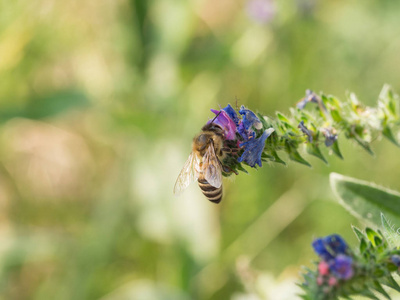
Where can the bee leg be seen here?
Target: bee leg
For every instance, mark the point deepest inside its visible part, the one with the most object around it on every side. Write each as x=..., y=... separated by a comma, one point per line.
x=228, y=170
x=230, y=150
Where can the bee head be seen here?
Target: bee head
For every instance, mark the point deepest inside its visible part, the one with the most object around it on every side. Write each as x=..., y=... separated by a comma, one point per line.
x=202, y=141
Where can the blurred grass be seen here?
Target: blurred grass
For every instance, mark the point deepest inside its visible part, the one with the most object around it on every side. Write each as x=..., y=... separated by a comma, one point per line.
x=98, y=106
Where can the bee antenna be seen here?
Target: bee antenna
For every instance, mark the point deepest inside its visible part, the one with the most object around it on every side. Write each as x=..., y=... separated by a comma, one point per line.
x=236, y=102
x=216, y=116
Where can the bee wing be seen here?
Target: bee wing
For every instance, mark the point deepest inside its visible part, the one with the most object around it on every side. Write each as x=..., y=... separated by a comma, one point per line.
x=189, y=173
x=212, y=167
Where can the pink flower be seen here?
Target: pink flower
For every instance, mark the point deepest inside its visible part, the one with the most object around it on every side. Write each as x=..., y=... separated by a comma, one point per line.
x=332, y=281
x=323, y=268
x=226, y=123
x=262, y=11
x=320, y=280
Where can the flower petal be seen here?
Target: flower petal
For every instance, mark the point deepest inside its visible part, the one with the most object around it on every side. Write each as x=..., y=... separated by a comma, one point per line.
x=396, y=260
x=245, y=134
x=226, y=123
x=310, y=97
x=232, y=114
x=250, y=119
x=323, y=268
x=320, y=248
x=262, y=11
x=306, y=131
x=336, y=243
x=342, y=267
x=253, y=149
x=330, y=136
x=329, y=247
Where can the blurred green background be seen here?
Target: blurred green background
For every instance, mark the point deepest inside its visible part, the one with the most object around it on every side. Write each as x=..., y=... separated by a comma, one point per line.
x=99, y=101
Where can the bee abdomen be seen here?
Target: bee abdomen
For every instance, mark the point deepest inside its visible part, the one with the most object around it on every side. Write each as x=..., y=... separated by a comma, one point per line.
x=212, y=193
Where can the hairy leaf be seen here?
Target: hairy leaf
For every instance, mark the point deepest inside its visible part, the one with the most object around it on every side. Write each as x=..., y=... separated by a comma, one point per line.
x=366, y=200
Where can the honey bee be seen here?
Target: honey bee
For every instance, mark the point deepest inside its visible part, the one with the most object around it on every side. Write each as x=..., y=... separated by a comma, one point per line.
x=204, y=163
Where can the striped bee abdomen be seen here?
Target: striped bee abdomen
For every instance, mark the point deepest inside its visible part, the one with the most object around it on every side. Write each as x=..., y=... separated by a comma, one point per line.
x=211, y=192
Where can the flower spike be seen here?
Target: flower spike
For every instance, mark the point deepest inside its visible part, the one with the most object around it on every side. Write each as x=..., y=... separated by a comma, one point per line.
x=342, y=273
x=246, y=138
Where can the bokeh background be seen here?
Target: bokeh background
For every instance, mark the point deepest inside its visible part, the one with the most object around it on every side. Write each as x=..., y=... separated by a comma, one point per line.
x=99, y=101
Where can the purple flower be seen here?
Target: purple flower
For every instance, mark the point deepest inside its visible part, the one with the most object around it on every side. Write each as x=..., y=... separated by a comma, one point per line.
x=261, y=11
x=253, y=149
x=342, y=267
x=310, y=97
x=396, y=260
x=306, y=131
x=232, y=114
x=226, y=123
x=329, y=247
x=245, y=134
x=249, y=119
x=330, y=136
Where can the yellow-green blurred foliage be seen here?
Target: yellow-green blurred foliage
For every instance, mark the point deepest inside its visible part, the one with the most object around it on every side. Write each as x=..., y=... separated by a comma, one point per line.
x=99, y=101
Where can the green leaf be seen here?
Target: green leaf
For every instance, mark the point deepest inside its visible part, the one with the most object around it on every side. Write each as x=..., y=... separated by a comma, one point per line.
x=379, y=244
x=54, y=104
x=371, y=235
x=315, y=151
x=264, y=122
x=240, y=168
x=366, y=200
x=391, y=235
x=387, y=133
x=363, y=144
x=267, y=156
x=358, y=232
x=295, y=156
x=367, y=293
x=282, y=117
x=379, y=288
x=277, y=159
x=285, y=121
x=390, y=282
x=363, y=246
x=389, y=100
x=336, y=116
x=336, y=150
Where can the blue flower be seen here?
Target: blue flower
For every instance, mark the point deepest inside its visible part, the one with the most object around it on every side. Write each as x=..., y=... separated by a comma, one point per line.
x=336, y=243
x=320, y=248
x=329, y=247
x=249, y=119
x=306, y=131
x=232, y=114
x=245, y=134
x=310, y=97
x=330, y=136
x=253, y=149
x=396, y=260
x=342, y=267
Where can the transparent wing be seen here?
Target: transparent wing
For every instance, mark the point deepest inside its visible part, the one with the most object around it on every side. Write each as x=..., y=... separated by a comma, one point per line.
x=212, y=167
x=189, y=173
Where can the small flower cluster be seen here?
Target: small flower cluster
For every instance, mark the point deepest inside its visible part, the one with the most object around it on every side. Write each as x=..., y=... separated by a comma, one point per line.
x=343, y=273
x=246, y=133
x=253, y=138
x=336, y=262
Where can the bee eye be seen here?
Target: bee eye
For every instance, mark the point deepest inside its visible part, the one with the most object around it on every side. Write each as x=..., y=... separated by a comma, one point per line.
x=202, y=139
